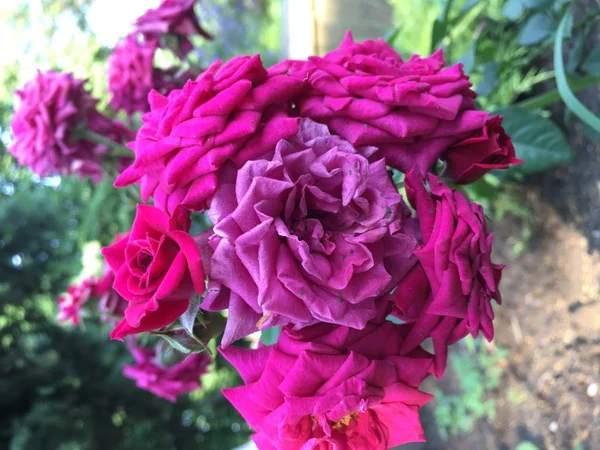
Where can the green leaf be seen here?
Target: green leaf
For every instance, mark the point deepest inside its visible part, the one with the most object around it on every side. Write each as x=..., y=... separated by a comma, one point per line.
x=181, y=341
x=513, y=9
x=490, y=78
x=468, y=59
x=591, y=65
x=188, y=318
x=562, y=84
x=536, y=29
x=391, y=36
x=538, y=141
x=534, y=3
x=468, y=5
x=437, y=33
x=269, y=336
x=526, y=445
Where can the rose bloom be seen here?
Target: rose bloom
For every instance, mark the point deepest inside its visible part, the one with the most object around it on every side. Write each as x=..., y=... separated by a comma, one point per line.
x=448, y=293
x=157, y=268
x=411, y=110
x=53, y=109
x=236, y=110
x=174, y=17
x=131, y=74
x=70, y=304
x=313, y=235
x=332, y=387
x=166, y=381
x=486, y=149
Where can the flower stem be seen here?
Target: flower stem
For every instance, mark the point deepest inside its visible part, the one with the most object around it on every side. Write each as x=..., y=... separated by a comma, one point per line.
x=117, y=149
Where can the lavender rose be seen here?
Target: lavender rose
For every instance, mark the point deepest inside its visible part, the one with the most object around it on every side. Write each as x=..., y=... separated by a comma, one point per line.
x=313, y=235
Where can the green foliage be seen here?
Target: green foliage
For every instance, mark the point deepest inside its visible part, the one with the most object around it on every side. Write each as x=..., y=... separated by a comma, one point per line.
x=269, y=336
x=538, y=141
x=478, y=371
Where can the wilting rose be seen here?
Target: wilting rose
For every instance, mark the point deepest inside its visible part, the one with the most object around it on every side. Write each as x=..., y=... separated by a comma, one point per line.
x=486, y=149
x=411, y=110
x=313, y=235
x=448, y=293
x=234, y=111
x=166, y=381
x=172, y=17
x=53, y=112
x=131, y=74
x=157, y=268
x=70, y=304
x=332, y=387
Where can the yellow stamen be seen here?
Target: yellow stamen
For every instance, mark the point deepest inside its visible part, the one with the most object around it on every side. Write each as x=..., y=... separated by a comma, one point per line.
x=262, y=320
x=344, y=421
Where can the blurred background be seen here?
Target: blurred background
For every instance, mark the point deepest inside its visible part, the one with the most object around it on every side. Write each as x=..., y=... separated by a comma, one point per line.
x=535, y=387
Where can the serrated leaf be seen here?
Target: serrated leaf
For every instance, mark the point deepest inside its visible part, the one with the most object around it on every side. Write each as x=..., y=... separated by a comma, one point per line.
x=188, y=318
x=538, y=141
x=513, y=9
x=537, y=28
x=591, y=65
x=269, y=336
x=181, y=341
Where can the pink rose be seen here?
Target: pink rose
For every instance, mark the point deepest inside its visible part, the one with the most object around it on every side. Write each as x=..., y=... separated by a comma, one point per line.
x=131, y=74
x=70, y=304
x=448, y=293
x=236, y=111
x=313, y=235
x=486, y=149
x=332, y=387
x=52, y=112
x=157, y=268
x=166, y=381
x=173, y=17
x=412, y=110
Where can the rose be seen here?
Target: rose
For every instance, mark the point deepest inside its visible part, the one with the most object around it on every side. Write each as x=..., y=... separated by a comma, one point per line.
x=166, y=380
x=448, y=293
x=157, y=268
x=49, y=125
x=174, y=17
x=70, y=304
x=236, y=111
x=131, y=74
x=411, y=110
x=111, y=305
x=332, y=387
x=315, y=234
x=486, y=149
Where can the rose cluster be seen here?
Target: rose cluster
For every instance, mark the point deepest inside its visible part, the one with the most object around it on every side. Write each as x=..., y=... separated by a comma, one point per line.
x=310, y=235
x=299, y=169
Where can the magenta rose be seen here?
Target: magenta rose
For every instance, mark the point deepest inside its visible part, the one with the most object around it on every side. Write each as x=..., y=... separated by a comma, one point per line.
x=236, y=111
x=166, y=380
x=172, y=17
x=332, y=387
x=70, y=304
x=157, y=268
x=486, y=149
x=313, y=235
x=131, y=74
x=53, y=112
x=448, y=293
x=412, y=110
